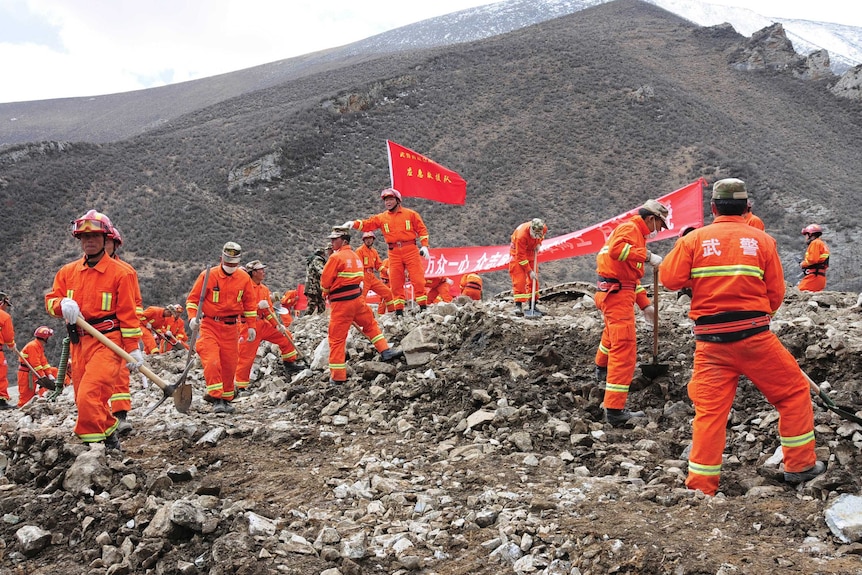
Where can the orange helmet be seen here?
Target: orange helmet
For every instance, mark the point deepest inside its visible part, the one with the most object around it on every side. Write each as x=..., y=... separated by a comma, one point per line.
x=390, y=192
x=114, y=234
x=43, y=332
x=812, y=229
x=92, y=222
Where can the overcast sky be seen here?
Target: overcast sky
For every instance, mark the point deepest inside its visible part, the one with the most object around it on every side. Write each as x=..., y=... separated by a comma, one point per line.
x=66, y=48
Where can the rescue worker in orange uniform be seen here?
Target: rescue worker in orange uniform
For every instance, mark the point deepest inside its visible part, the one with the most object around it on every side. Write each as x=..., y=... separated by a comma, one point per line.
x=620, y=266
x=288, y=304
x=102, y=291
x=751, y=219
x=341, y=282
x=737, y=285
x=401, y=229
x=121, y=399
x=384, y=277
x=267, y=328
x=371, y=261
x=7, y=338
x=437, y=289
x=816, y=260
x=174, y=336
x=471, y=286
x=524, y=245
x=34, y=353
x=228, y=302
x=157, y=321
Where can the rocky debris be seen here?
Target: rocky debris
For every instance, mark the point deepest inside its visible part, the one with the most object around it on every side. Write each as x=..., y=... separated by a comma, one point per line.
x=849, y=85
x=770, y=49
x=490, y=455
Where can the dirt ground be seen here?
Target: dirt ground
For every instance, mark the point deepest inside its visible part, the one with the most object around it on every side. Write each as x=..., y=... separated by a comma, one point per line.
x=584, y=498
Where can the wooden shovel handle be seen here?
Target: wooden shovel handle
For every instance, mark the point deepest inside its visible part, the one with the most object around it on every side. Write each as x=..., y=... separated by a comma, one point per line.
x=119, y=351
x=655, y=290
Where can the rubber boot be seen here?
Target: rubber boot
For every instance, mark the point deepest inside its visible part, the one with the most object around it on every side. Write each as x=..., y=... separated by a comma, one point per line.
x=124, y=427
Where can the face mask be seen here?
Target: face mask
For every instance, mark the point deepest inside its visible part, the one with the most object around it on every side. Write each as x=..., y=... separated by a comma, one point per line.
x=652, y=234
x=229, y=268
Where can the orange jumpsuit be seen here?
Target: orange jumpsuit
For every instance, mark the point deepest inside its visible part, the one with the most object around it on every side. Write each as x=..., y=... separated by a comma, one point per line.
x=621, y=260
x=735, y=272
x=154, y=320
x=340, y=283
x=522, y=255
x=106, y=294
x=438, y=288
x=121, y=398
x=401, y=228
x=266, y=328
x=289, y=301
x=754, y=221
x=471, y=286
x=229, y=300
x=384, y=277
x=814, y=266
x=371, y=261
x=7, y=338
x=34, y=353
x=642, y=301
x=177, y=328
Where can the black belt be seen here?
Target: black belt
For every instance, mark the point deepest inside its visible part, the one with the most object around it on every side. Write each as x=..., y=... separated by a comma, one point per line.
x=730, y=326
x=105, y=324
x=225, y=319
x=611, y=285
x=813, y=272
x=345, y=293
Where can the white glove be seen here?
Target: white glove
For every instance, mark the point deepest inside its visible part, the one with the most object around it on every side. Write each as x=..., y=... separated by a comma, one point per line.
x=423, y=251
x=347, y=224
x=282, y=330
x=194, y=323
x=533, y=275
x=251, y=334
x=449, y=281
x=654, y=259
x=262, y=304
x=168, y=334
x=70, y=310
x=649, y=314
x=138, y=357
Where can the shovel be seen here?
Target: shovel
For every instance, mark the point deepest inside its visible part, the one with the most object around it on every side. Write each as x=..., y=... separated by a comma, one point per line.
x=842, y=411
x=531, y=311
x=41, y=380
x=655, y=369
x=168, y=390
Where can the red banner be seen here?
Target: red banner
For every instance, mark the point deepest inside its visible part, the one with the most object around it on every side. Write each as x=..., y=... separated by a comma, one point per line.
x=685, y=208
x=416, y=176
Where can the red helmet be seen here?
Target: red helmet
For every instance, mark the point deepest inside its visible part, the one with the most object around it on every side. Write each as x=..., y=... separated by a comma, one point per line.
x=43, y=332
x=812, y=229
x=114, y=234
x=368, y=235
x=391, y=192
x=92, y=222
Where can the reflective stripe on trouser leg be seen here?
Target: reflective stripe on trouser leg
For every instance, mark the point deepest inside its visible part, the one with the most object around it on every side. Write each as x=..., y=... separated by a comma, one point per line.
x=618, y=311
x=95, y=368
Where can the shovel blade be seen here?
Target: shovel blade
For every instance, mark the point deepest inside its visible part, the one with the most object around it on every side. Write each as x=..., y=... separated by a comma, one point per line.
x=654, y=370
x=183, y=398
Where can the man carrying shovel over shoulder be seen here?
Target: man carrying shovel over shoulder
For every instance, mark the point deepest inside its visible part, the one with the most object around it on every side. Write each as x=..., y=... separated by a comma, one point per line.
x=220, y=308
x=737, y=284
x=620, y=266
x=102, y=291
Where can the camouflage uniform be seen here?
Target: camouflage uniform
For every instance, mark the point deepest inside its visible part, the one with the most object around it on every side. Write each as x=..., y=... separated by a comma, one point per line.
x=313, y=269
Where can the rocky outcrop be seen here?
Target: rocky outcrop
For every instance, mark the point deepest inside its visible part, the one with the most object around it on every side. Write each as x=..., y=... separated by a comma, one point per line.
x=264, y=169
x=767, y=49
x=849, y=85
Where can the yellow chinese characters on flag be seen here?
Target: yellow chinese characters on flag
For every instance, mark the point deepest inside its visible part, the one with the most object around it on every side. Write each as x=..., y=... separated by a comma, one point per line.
x=416, y=176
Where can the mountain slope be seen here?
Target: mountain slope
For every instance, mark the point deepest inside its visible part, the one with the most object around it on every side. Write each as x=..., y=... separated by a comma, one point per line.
x=542, y=122
x=115, y=117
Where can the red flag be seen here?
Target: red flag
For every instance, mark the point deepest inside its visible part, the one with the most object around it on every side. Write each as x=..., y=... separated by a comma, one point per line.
x=416, y=176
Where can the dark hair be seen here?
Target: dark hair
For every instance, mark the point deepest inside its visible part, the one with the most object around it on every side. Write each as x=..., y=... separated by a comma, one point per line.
x=730, y=207
x=644, y=213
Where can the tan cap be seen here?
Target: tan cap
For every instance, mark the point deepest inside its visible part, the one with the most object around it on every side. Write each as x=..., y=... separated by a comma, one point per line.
x=729, y=189
x=657, y=209
x=339, y=232
x=254, y=265
x=231, y=253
